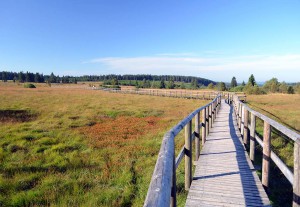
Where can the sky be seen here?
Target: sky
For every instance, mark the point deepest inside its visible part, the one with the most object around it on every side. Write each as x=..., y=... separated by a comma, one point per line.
x=211, y=39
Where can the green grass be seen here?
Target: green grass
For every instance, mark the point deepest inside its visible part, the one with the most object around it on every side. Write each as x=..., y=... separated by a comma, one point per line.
x=55, y=155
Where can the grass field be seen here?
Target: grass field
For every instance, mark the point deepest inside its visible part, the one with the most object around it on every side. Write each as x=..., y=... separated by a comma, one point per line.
x=75, y=147
x=285, y=109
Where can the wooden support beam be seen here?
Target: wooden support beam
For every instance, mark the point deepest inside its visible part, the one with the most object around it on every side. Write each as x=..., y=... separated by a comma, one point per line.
x=210, y=116
x=296, y=182
x=252, y=137
x=204, y=127
x=207, y=120
x=188, y=155
x=266, y=154
x=246, y=129
x=242, y=120
x=197, y=136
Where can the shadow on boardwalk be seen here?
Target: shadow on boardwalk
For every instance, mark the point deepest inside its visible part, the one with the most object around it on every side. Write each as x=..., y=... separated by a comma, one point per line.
x=224, y=174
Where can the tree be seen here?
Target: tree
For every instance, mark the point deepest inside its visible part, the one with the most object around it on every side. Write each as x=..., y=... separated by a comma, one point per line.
x=194, y=84
x=182, y=85
x=4, y=76
x=21, y=77
x=233, y=82
x=162, y=84
x=171, y=84
x=27, y=77
x=114, y=82
x=291, y=90
x=52, y=78
x=153, y=85
x=37, y=78
x=271, y=85
x=251, y=80
x=221, y=86
x=283, y=87
x=243, y=83
x=210, y=86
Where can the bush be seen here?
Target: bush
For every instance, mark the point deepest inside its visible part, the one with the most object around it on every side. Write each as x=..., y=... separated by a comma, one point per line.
x=29, y=85
x=256, y=90
x=290, y=90
x=237, y=89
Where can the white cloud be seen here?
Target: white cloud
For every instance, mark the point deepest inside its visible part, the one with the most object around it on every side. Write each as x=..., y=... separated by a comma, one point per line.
x=214, y=68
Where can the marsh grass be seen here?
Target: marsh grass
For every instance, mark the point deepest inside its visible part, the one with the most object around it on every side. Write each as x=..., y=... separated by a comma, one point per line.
x=82, y=148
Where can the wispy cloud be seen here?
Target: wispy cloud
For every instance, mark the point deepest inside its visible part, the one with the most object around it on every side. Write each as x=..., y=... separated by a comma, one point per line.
x=185, y=64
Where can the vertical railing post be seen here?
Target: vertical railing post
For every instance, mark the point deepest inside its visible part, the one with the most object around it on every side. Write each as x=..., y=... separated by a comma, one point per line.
x=197, y=136
x=173, y=202
x=215, y=109
x=252, y=137
x=296, y=183
x=242, y=120
x=266, y=154
x=210, y=116
x=212, y=112
x=188, y=155
x=239, y=115
x=246, y=129
x=204, y=126
x=207, y=120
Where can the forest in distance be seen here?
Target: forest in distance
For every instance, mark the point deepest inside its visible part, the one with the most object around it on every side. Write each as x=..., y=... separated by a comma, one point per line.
x=156, y=81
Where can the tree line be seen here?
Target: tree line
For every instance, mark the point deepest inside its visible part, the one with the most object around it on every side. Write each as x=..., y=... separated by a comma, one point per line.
x=40, y=78
x=270, y=86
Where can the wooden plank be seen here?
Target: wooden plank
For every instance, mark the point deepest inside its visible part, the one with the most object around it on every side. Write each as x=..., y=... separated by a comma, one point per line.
x=224, y=174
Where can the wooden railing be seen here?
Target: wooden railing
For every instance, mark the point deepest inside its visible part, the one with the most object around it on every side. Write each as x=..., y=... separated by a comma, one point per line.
x=246, y=118
x=162, y=189
x=193, y=94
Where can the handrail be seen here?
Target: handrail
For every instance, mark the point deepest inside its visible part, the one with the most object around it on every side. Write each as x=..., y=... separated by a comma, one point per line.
x=162, y=189
x=242, y=113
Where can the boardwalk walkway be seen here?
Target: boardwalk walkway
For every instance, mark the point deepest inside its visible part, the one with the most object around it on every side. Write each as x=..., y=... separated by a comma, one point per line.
x=224, y=174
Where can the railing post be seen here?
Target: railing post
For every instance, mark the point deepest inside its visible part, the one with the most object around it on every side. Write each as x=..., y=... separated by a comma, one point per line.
x=215, y=109
x=246, y=129
x=266, y=154
x=242, y=120
x=296, y=183
x=210, y=116
x=197, y=136
x=188, y=155
x=207, y=120
x=204, y=126
x=252, y=137
x=239, y=115
x=173, y=202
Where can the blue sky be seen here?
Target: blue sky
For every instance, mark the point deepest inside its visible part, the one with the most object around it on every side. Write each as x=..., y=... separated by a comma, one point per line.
x=211, y=39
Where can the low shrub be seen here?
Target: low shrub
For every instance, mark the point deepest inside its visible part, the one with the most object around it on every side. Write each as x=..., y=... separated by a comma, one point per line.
x=29, y=85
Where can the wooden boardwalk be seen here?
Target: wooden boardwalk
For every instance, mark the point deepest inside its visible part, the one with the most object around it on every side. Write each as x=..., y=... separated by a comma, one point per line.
x=224, y=174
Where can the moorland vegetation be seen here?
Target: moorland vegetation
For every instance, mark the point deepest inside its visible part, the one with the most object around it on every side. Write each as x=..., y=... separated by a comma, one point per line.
x=76, y=147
